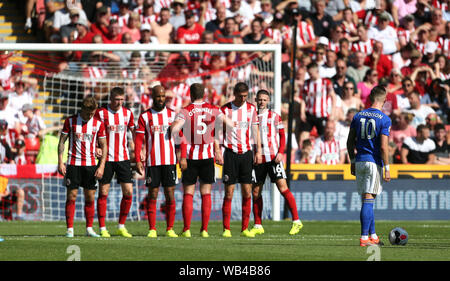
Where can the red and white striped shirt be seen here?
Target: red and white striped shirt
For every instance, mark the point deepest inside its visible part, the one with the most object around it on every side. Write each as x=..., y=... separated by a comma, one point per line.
x=149, y=19
x=317, y=97
x=328, y=151
x=269, y=125
x=444, y=45
x=198, y=129
x=159, y=144
x=365, y=47
x=116, y=124
x=305, y=33
x=82, y=139
x=401, y=32
x=238, y=139
x=278, y=35
x=95, y=72
x=121, y=19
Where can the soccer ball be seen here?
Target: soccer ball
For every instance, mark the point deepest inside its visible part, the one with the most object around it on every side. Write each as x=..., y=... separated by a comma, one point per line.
x=398, y=236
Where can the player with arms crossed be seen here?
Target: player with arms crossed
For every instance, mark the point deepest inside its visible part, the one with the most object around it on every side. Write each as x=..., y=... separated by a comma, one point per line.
x=154, y=129
x=369, y=134
x=117, y=120
x=83, y=131
x=238, y=156
x=198, y=121
x=273, y=141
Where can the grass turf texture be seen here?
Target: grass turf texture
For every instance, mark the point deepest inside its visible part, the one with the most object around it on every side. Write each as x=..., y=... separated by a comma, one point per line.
x=317, y=241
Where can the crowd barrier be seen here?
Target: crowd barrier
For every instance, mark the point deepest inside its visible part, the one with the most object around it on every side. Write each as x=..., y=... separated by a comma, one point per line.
x=416, y=192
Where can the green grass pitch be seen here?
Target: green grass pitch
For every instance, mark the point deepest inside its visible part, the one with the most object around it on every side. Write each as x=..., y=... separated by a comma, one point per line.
x=317, y=241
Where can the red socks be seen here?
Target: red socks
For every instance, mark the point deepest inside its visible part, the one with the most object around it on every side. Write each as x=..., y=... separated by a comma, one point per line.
x=187, y=210
x=246, y=210
x=257, y=209
x=287, y=194
x=70, y=213
x=151, y=213
x=226, y=212
x=125, y=205
x=206, y=211
x=89, y=212
x=171, y=209
x=101, y=209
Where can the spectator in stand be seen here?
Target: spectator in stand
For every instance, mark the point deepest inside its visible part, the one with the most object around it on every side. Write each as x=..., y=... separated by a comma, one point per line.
x=419, y=110
x=405, y=30
x=370, y=80
x=266, y=13
x=229, y=34
x=115, y=33
x=219, y=21
x=437, y=21
x=420, y=37
x=418, y=149
x=379, y=61
x=349, y=24
x=344, y=48
x=67, y=29
x=442, y=142
x=342, y=130
x=390, y=106
x=402, y=58
x=372, y=16
x=407, y=89
x=133, y=27
x=19, y=98
x=422, y=14
x=100, y=26
x=191, y=32
x=328, y=69
x=19, y=156
x=124, y=13
x=177, y=17
x=321, y=21
x=327, y=148
x=395, y=82
x=401, y=129
x=442, y=67
x=429, y=57
x=256, y=36
x=348, y=99
x=7, y=113
x=431, y=121
x=363, y=43
x=336, y=34
x=133, y=69
x=6, y=154
x=31, y=83
x=147, y=38
x=320, y=55
x=306, y=153
x=61, y=18
x=148, y=14
x=5, y=70
x=357, y=70
x=219, y=78
x=436, y=97
x=306, y=39
x=242, y=12
x=402, y=8
x=163, y=29
x=84, y=37
x=195, y=70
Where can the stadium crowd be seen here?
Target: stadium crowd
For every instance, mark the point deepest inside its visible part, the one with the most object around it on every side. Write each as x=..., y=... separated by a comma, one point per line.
x=344, y=49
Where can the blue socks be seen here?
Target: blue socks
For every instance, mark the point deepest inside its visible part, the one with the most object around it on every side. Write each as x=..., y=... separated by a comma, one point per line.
x=367, y=218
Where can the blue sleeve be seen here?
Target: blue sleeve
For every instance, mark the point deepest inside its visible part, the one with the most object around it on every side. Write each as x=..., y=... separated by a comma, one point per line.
x=386, y=128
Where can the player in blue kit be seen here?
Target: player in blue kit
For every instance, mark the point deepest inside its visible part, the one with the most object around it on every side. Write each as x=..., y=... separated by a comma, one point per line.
x=369, y=135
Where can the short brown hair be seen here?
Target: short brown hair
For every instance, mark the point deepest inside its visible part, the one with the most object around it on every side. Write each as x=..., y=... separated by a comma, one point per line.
x=197, y=91
x=117, y=91
x=378, y=93
x=89, y=103
x=240, y=87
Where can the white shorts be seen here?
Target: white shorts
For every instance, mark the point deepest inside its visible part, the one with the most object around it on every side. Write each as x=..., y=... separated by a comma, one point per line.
x=368, y=177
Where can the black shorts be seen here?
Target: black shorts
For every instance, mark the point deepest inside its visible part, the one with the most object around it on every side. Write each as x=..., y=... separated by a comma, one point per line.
x=165, y=175
x=274, y=170
x=204, y=170
x=80, y=176
x=311, y=121
x=237, y=168
x=122, y=169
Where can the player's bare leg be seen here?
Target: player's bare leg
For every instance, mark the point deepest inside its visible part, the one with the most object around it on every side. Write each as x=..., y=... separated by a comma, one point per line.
x=287, y=194
x=20, y=199
x=71, y=197
x=226, y=209
x=169, y=193
x=101, y=208
x=246, y=190
x=89, y=211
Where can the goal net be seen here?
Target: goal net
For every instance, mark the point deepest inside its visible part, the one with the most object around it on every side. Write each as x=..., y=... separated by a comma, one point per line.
x=61, y=75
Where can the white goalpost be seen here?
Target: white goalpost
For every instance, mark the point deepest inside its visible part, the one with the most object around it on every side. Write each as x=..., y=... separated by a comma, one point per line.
x=104, y=66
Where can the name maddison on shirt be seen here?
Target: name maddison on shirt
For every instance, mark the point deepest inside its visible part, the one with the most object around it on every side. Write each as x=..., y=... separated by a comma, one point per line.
x=371, y=114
